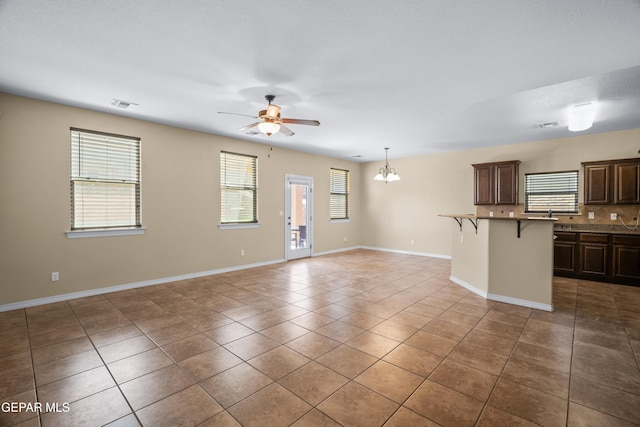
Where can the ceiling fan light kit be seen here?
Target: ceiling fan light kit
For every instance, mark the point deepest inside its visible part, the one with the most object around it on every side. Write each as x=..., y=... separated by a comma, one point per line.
x=268, y=128
x=386, y=173
x=271, y=122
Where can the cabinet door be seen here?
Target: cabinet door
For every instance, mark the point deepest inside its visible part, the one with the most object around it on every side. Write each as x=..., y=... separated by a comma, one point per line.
x=484, y=184
x=507, y=184
x=593, y=259
x=597, y=184
x=626, y=180
x=626, y=262
x=564, y=257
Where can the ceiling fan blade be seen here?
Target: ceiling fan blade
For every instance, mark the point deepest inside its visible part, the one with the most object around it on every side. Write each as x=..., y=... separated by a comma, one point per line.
x=237, y=114
x=286, y=131
x=301, y=122
x=247, y=127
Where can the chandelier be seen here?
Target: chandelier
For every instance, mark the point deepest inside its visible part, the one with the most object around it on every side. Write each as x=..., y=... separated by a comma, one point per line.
x=386, y=173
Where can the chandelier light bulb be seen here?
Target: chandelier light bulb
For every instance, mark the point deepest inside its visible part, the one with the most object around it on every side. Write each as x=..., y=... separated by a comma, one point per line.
x=387, y=173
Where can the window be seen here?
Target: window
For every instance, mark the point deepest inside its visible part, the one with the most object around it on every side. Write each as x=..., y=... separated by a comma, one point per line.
x=339, y=199
x=238, y=188
x=552, y=191
x=105, y=180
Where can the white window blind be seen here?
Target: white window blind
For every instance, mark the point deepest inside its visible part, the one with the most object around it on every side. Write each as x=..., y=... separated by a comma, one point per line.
x=239, y=188
x=339, y=198
x=105, y=180
x=553, y=191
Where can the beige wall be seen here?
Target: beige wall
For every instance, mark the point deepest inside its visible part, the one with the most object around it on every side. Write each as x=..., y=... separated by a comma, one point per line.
x=470, y=254
x=180, y=200
x=406, y=210
x=180, y=204
x=521, y=268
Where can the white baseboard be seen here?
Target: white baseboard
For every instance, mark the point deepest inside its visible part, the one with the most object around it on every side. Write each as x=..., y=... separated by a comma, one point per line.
x=124, y=287
x=335, y=251
x=397, y=251
x=469, y=286
x=522, y=302
x=502, y=298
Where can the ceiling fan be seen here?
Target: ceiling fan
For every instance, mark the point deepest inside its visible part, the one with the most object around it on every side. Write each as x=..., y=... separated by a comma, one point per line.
x=271, y=122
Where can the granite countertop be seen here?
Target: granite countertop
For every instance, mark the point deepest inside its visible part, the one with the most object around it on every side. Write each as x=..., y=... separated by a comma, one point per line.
x=502, y=218
x=596, y=228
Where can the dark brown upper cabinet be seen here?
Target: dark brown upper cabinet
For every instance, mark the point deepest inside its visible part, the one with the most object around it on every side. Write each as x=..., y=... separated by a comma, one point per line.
x=496, y=183
x=626, y=182
x=612, y=182
x=597, y=184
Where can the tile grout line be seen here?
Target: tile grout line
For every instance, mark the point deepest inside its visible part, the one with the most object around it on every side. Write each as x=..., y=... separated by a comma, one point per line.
x=573, y=336
x=33, y=364
x=106, y=365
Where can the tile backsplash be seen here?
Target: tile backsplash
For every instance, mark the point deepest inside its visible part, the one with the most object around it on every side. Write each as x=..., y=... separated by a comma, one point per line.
x=602, y=213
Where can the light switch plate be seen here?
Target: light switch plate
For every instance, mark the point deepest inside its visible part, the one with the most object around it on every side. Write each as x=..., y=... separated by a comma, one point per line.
x=614, y=216
x=592, y=215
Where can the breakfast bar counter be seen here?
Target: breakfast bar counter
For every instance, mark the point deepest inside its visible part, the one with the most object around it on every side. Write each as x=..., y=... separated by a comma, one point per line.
x=504, y=259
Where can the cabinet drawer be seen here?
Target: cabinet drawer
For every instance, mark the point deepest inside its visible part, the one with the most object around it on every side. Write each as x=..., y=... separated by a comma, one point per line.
x=625, y=239
x=563, y=236
x=594, y=238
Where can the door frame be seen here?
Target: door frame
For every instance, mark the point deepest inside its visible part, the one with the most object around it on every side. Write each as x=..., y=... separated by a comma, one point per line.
x=288, y=180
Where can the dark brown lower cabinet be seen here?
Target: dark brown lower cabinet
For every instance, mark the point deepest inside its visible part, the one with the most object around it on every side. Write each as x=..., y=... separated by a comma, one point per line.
x=564, y=252
x=626, y=257
x=611, y=258
x=594, y=251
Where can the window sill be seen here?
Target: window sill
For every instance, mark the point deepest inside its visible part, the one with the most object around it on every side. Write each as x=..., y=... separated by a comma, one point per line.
x=332, y=221
x=82, y=234
x=238, y=226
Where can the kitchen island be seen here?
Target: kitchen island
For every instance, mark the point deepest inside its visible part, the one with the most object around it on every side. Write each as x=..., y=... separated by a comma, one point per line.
x=504, y=259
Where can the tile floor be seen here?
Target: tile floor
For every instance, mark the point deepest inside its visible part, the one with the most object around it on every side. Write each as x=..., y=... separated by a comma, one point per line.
x=360, y=338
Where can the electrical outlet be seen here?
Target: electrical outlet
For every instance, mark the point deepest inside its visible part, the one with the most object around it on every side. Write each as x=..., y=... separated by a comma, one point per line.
x=55, y=276
x=510, y=214
x=614, y=216
x=412, y=242
x=241, y=252
x=491, y=213
x=345, y=240
x=592, y=215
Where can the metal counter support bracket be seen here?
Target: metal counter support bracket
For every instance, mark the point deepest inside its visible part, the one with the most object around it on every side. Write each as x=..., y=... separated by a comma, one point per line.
x=519, y=228
x=460, y=220
x=475, y=224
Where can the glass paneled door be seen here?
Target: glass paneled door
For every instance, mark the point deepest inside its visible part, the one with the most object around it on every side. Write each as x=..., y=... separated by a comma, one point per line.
x=298, y=216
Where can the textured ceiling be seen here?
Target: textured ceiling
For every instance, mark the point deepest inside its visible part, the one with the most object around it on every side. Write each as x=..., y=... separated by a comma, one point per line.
x=418, y=76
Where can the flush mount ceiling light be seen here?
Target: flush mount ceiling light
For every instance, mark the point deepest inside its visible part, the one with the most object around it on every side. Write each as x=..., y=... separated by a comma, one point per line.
x=386, y=173
x=581, y=116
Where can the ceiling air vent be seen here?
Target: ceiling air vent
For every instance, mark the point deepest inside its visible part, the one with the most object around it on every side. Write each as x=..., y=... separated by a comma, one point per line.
x=124, y=105
x=547, y=125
